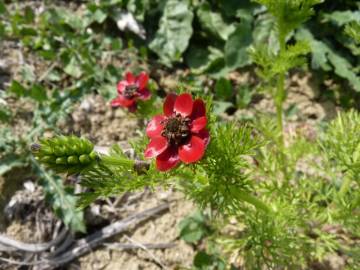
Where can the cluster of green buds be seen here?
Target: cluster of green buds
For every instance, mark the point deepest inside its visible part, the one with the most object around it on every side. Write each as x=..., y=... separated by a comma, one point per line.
x=65, y=153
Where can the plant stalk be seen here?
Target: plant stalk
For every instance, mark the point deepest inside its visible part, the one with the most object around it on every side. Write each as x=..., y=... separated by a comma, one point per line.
x=280, y=91
x=244, y=196
x=345, y=186
x=279, y=101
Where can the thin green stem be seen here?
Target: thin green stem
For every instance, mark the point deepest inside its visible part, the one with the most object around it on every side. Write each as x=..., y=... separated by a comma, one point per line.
x=117, y=161
x=244, y=196
x=280, y=91
x=345, y=186
x=279, y=101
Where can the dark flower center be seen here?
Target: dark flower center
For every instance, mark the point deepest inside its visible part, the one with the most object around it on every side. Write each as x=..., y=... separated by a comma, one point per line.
x=130, y=91
x=176, y=129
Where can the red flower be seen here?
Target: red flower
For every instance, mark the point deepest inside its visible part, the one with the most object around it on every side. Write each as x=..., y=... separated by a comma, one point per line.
x=179, y=134
x=130, y=90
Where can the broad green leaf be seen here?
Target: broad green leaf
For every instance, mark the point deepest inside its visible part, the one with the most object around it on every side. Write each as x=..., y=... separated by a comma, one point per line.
x=173, y=36
x=138, y=8
x=108, y=91
x=5, y=114
x=63, y=201
x=200, y=59
x=327, y=58
x=2, y=7
x=236, y=47
x=218, y=68
x=342, y=17
x=221, y=106
x=38, y=93
x=223, y=89
x=116, y=44
x=213, y=22
x=10, y=162
x=2, y=29
x=193, y=228
x=99, y=16
x=29, y=15
x=241, y=9
x=343, y=68
x=17, y=89
x=265, y=32
x=204, y=261
x=73, y=68
x=27, y=73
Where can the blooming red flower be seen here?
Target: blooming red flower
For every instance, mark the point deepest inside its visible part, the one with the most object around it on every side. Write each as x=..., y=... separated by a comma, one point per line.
x=130, y=90
x=179, y=134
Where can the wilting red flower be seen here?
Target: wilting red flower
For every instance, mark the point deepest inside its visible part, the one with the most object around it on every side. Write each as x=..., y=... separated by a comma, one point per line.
x=180, y=134
x=130, y=90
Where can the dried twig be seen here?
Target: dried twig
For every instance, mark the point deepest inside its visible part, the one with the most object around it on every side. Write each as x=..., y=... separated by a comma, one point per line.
x=35, y=248
x=87, y=244
x=157, y=260
x=126, y=246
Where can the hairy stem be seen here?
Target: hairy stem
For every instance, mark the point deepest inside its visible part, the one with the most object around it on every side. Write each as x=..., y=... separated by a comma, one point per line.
x=279, y=101
x=280, y=91
x=247, y=197
x=345, y=186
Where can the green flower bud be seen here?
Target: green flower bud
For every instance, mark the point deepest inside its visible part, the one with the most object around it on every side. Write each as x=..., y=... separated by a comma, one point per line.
x=48, y=159
x=46, y=150
x=84, y=159
x=59, y=151
x=71, y=152
x=76, y=149
x=89, y=146
x=64, y=140
x=93, y=155
x=61, y=161
x=73, y=160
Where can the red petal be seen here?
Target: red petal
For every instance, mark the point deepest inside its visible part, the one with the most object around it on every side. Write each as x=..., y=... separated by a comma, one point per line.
x=169, y=104
x=144, y=93
x=193, y=151
x=154, y=128
x=156, y=146
x=130, y=77
x=167, y=160
x=183, y=104
x=142, y=80
x=204, y=135
x=121, y=86
x=198, y=124
x=122, y=101
x=198, y=109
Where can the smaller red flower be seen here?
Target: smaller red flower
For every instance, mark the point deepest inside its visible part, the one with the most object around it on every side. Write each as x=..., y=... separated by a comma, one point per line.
x=130, y=90
x=179, y=134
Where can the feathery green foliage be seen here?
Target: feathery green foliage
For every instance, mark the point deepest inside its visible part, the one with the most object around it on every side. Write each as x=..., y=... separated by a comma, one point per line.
x=289, y=14
x=221, y=181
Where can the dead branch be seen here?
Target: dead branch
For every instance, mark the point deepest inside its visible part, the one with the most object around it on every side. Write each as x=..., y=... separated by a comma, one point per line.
x=126, y=246
x=85, y=245
x=34, y=248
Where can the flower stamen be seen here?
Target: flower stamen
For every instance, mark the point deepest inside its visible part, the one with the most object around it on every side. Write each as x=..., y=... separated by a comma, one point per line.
x=176, y=129
x=130, y=91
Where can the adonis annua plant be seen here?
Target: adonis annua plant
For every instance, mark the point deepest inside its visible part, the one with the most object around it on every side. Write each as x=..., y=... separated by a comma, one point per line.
x=274, y=203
